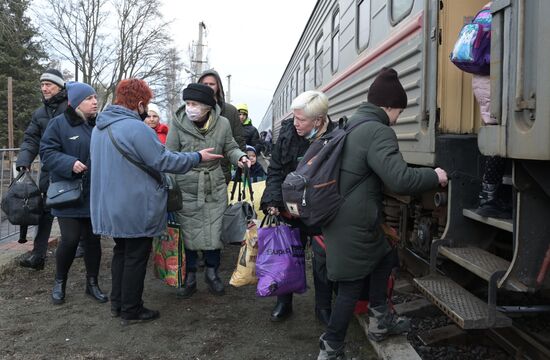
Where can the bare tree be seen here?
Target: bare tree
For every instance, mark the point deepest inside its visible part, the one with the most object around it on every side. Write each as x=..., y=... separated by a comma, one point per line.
x=137, y=44
x=75, y=27
x=169, y=93
x=141, y=45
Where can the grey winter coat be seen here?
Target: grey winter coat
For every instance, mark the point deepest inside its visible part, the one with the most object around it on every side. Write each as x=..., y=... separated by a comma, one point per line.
x=126, y=202
x=203, y=188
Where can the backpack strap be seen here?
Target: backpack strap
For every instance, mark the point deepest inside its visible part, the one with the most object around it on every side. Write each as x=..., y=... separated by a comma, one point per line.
x=348, y=130
x=154, y=174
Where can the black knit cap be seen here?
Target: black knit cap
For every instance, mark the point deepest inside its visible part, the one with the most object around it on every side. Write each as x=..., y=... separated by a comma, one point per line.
x=387, y=91
x=199, y=92
x=54, y=76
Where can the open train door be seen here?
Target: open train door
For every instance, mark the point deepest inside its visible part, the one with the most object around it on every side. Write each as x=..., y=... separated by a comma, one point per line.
x=520, y=89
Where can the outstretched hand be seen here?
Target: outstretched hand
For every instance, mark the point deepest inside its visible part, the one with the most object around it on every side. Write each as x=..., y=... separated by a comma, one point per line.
x=442, y=177
x=208, y=155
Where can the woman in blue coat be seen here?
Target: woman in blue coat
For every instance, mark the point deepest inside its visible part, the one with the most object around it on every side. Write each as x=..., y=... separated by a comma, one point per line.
x=65, y=152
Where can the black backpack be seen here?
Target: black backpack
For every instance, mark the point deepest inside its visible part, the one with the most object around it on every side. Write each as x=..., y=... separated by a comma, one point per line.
x=311, y=192
x=22, y=202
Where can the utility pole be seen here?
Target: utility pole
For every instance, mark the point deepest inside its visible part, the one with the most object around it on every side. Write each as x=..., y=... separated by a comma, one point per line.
x=10, y=116
x=197, y=62
x=228, y=99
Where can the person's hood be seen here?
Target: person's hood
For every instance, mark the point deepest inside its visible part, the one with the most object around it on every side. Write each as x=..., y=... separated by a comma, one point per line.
x=220, y=96
x=113, y=113
x=371, y=111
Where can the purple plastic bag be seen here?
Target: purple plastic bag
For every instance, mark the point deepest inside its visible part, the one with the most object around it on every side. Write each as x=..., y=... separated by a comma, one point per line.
x=280, y=265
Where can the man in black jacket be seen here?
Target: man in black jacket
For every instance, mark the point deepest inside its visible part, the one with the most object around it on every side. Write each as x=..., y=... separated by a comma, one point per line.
x=212, y=79
x=54, y=97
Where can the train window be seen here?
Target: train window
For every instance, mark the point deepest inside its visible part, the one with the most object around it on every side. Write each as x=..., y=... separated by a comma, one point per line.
x=297, y=81
x=399, y=9
x=362, y=24
x=319, y=60
x=292, y=91
x=335, y=41
x=306, y=69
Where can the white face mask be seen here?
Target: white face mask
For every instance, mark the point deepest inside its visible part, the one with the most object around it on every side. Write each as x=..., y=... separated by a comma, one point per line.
x=194, y=113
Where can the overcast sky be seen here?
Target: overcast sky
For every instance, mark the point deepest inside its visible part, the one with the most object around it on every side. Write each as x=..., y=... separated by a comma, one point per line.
x=250, y=39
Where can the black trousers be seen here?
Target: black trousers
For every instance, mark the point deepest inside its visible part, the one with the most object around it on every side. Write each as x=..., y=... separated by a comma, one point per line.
x=349, y=292
x=128, y=268
x=323, y=286
x=43, y=230
x=72, y=231
x=211, y=259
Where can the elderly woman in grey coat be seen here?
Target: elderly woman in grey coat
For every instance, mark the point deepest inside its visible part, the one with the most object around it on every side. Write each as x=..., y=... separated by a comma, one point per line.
x=198, y=125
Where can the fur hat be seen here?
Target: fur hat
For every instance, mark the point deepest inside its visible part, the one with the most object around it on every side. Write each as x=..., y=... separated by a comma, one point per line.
x=54, y=76
x=387, y=91
x=77, y=92
x=200, y=93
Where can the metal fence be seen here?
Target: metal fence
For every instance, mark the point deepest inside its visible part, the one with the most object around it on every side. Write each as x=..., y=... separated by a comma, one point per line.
x=7, y=174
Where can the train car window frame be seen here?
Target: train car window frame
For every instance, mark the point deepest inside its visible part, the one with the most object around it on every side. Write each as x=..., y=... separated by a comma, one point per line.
x=396, y=20
x=297, y=81
x=335, y=40
x=358, y=40
x=318, y=63
x=306, y=70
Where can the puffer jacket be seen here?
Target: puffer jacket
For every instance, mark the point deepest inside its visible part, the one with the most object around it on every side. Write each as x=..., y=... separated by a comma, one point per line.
x=126, y=201
x=371, y=160
x=30, y=146
x=66, y=140
x=285, y=156
x=203, y=189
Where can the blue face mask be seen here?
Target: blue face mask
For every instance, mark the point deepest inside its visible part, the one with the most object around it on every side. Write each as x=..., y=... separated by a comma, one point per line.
x=312, y=133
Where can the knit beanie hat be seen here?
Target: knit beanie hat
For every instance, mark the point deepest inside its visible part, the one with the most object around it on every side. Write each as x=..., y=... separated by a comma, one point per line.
x=77, y=92
x=200, y=93
x=154, y=108
x=387, y=91
x=54, y=76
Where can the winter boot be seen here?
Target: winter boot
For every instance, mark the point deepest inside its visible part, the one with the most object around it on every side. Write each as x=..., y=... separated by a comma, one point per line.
x=33, y=261
x=189, y=286
x=490, y=203
x=329, y=350
x=384, y=322
x=323, y=315
x=213, y=281
x=92, y=289
x=79, y=251
x=281, y=311
x=58, y=291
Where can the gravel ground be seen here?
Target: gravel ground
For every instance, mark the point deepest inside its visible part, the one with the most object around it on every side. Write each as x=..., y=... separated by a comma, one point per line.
x=235, y=326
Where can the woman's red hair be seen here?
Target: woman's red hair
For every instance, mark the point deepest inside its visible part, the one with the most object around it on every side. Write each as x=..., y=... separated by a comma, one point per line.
x=130, y=92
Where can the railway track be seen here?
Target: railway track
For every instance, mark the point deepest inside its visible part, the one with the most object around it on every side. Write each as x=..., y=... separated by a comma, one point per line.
x=517, y=341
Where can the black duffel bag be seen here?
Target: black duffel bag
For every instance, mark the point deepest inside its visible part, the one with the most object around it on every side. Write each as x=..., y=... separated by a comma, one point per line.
x=23, y=202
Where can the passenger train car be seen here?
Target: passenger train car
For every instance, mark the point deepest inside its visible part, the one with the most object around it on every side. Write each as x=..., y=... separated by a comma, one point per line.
x=345, y=44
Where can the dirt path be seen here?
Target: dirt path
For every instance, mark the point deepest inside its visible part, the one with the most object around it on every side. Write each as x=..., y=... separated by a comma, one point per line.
x=235, y=326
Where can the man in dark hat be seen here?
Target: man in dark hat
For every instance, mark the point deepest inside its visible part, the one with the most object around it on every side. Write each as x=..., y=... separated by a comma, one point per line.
x=355, y=244
x=54, y=98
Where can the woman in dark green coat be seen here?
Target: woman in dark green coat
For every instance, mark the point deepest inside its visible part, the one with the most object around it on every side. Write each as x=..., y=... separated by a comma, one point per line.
x=356, y=247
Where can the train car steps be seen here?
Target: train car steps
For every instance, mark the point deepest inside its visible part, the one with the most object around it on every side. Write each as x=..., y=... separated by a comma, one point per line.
x=503, y=224
x=465, y=309
x=482, y=263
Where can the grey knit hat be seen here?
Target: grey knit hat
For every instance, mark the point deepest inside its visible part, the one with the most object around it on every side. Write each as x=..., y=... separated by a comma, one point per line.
x=54, y=76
